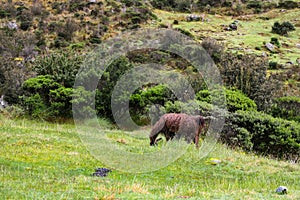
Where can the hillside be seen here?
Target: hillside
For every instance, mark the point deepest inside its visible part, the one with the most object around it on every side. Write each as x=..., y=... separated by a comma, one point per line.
x=30, y=30
x=49, y=161
x=44, y=46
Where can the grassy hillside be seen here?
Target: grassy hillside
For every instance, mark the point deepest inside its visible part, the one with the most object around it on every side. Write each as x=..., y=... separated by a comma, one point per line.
x=253, y=31
x=49, y=161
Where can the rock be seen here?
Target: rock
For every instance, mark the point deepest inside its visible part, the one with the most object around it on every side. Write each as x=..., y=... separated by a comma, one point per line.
x=12, y=25
x=101, y=172
x=281, y=190
x=236, y=22
x=233, y=26
x=270, y=47
x=227, y=29
x=190, y=18
x=264, y=54
x=298, y=46
x=3, y=103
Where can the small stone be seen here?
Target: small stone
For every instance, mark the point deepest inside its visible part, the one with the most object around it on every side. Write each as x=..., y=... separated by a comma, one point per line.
x=270, y=47
x=12, y=25
x=190, y=18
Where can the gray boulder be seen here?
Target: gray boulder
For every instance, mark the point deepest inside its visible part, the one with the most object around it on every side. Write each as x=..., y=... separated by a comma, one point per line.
x=190, y=18
x=270, y=47
x=3, y=103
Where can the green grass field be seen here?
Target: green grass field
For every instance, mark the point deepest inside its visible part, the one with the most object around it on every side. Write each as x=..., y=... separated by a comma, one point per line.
x=39, y=160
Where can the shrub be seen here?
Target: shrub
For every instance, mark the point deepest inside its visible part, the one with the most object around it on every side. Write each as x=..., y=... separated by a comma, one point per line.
x=26, y=18
x=75, y=5
x=273, y=65
x=67, y=30
x=61, y=66
x=37, y=8
x=248, y=73
x=254, y=4
x=235, y=100
x=107, y=83
x=235, y=136
x=282, y=29
x=12, y=75
x=194, y=107
x=213, y=48
x=141, y=100
x=275, y=41
x=287, y=108
x=44, y=98
x=270, y=136
x=288, y=4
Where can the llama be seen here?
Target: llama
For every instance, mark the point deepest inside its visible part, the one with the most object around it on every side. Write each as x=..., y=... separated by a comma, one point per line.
x=174, y=125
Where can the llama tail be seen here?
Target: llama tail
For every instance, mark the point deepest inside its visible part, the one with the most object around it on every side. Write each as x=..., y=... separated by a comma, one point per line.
x=158, y=126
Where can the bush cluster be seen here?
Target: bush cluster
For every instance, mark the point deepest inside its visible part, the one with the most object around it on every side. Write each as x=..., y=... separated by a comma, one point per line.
x=288, y=4
x=235, y=99
x=287, y=108
x=282, y=29
x=268, y=135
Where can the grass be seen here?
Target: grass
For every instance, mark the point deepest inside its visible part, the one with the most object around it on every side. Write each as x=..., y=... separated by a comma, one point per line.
x=253, y=31
x=39, y=160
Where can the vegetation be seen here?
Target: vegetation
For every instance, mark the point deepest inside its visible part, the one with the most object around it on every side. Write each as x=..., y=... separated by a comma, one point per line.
x=287, y=108
x=235, y=100
x=43, y=45
x=51, y=162
x=282, y=29
x=264, y=134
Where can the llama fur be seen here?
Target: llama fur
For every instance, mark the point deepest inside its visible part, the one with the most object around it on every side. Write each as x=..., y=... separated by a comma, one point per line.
x=178, y=125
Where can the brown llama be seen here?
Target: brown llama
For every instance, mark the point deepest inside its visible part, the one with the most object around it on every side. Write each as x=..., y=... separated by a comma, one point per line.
x=178, y=125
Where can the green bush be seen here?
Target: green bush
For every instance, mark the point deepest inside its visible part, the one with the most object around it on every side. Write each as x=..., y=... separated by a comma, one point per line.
x=107, y=83
x=61, y=66
x=213, y=48
x=269, y=136
x=257, y=5
x=273, y=65
x=282, y=29
x=275, y=41
x=194, y=107
x=248, y=73
x=236, y=136
x=44, y=98
x=288, y=4
x=287, y=108
x=142, y=100
x=235, y=100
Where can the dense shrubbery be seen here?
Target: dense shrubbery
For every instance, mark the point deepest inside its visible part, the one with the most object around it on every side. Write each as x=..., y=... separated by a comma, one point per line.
x=288, y=4
x=61, y=66
x=248, y=73
x=45, y=98
x=287, y=108
x=235, y=100
x=107, y=83
x=49, y=94
x=213, y=48
x=269, y=136
x=282, y=29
